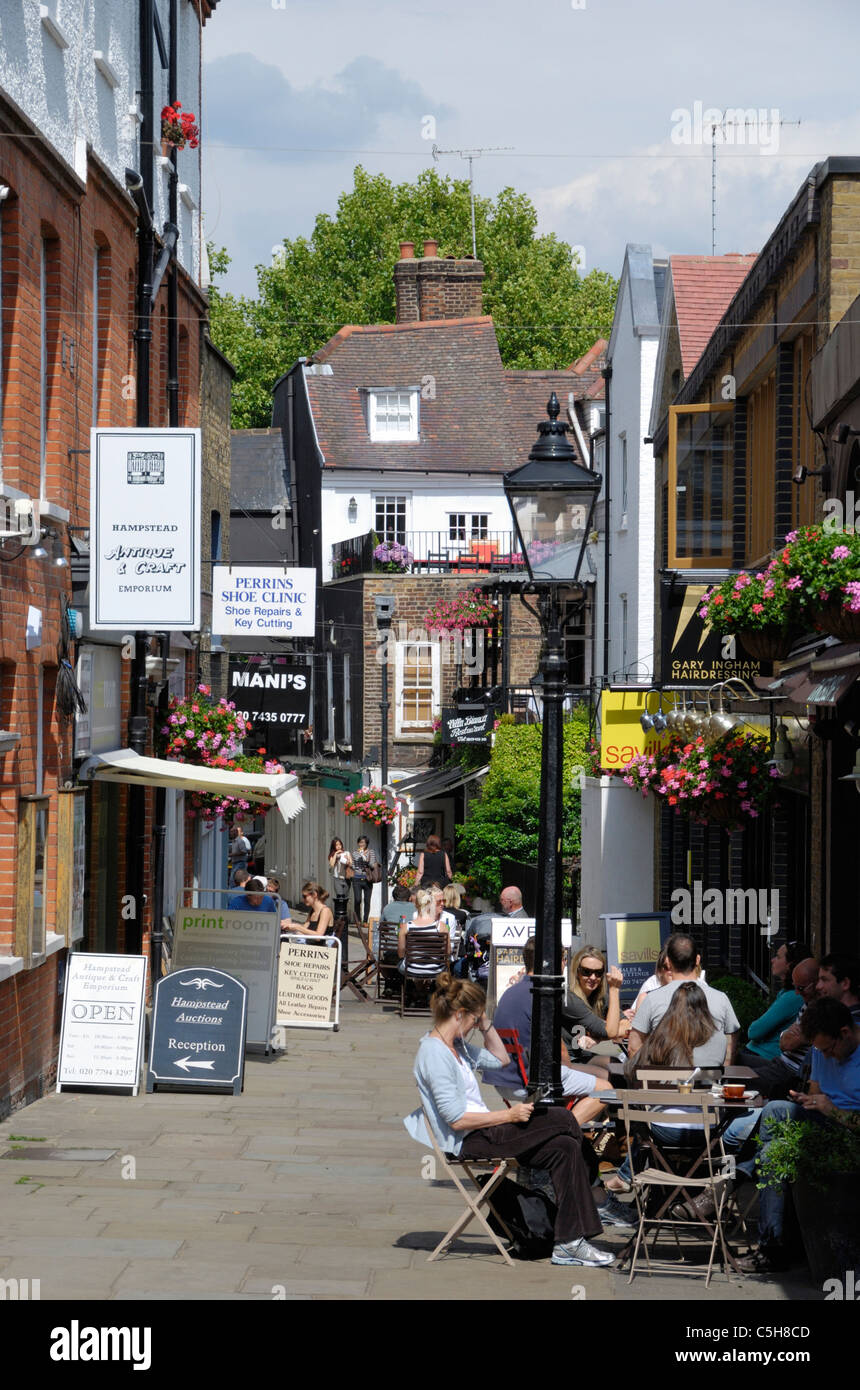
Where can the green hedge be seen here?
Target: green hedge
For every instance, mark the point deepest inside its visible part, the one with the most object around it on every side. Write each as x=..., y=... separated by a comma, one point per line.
x=746, y=998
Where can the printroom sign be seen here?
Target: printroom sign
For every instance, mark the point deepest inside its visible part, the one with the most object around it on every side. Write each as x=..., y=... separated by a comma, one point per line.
x=263, y=601
x=145, y=519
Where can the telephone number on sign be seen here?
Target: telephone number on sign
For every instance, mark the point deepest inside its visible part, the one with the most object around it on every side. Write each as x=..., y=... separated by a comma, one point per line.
x=262, y=716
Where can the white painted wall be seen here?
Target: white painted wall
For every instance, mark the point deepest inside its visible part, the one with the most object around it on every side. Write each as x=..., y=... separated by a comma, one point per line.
x=617, y=853
x=63, y=92
x=429, y=500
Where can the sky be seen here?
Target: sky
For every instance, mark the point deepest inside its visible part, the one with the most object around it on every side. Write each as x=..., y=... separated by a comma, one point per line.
x=596, y=109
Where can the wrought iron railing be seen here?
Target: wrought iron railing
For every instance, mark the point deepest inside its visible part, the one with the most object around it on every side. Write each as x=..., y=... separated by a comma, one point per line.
x=428, y=552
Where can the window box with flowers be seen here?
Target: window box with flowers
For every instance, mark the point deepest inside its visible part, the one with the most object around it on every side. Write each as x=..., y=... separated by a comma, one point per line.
x=725, y=781
x=198, y=730
x=178, y=128
x=470, y=608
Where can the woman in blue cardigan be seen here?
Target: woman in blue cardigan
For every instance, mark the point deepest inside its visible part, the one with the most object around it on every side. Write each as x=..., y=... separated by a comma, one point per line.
x=763, y=1033
x=463, y=1124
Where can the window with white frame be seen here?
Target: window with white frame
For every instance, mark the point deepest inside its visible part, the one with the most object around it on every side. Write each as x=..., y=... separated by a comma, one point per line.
x=390, y=519
x=392, y=415
x=468, y=526
x=418, y=688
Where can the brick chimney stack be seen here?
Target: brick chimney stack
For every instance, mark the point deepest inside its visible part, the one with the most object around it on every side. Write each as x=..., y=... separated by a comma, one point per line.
x=436, y=287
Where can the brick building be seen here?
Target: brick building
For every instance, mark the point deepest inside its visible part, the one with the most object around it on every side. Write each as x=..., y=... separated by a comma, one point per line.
x=68, y=280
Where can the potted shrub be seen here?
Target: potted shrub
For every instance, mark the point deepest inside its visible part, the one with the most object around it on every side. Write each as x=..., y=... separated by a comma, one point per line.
x=763, y=609
x=392, y=557
x=822, y=1164
x=823, y=567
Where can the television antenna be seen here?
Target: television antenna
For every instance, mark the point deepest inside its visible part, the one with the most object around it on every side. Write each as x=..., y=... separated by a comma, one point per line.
x=472, y=155
x=721, y=126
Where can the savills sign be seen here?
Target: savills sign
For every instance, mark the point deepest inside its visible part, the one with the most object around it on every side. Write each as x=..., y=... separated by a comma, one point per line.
x=145, y=520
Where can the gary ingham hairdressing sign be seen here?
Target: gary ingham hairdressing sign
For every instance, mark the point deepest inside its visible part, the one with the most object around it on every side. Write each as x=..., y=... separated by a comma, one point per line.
x=145, y=527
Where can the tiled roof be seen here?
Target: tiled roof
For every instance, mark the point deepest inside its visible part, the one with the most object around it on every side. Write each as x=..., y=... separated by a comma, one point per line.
x=474, y=416
x=703, y=287
x=258, y=474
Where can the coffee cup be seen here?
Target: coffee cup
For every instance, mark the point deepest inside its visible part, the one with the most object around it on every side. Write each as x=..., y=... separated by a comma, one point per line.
x=733, y=1091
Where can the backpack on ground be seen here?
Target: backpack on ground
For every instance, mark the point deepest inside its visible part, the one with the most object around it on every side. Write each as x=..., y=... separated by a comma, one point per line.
x=529, y=1216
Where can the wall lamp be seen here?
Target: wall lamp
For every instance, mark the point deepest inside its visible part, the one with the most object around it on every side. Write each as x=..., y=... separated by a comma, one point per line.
x=657, y=720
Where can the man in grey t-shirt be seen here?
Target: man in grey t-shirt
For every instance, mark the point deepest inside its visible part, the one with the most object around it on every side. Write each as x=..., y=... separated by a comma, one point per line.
x=683, y=961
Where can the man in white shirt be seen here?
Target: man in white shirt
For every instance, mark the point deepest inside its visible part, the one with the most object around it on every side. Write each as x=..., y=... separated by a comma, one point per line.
x=683, y=961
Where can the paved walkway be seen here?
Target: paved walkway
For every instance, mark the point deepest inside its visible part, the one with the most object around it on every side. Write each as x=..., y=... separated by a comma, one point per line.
x=305, y=1187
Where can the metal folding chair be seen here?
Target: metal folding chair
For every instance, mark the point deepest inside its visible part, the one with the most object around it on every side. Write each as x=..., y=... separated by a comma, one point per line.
x=449, y=1165
x=646, y=1108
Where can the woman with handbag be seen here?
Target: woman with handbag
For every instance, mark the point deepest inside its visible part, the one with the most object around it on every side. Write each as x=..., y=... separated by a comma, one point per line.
x=340, y=863
x=364, y=864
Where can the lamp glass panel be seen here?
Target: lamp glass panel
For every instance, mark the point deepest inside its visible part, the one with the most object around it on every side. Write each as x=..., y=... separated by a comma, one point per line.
x=552, y=526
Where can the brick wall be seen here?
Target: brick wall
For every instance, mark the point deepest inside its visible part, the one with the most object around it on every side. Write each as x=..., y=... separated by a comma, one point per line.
x=433, y=287
x=215, y=386
x=30, y=1015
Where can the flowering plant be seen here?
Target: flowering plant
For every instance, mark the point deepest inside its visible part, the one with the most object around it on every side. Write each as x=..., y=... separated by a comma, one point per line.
x=405, y=878
x=470, y=608
x=823, y=566
x=348, y=565
x=178, y=127
x=369, y=803
x=392, y=556
x=751, y=602
x=200, y=731
x=727, y=779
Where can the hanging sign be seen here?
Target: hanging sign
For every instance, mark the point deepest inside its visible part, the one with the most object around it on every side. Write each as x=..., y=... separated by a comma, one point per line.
x=101, y=1043
x=263, y=601
x=198, y=1031
x=271, y=694
x=692, y=653
x=243, y=943
x=621, y=732
x=145, y=523
x=465, y=725
x=307, y=974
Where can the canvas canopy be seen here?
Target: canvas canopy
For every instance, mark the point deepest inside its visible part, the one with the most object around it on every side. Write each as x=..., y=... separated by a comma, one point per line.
x=279, y=789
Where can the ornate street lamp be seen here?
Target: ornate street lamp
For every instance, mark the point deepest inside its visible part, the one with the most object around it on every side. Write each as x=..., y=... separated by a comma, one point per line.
x=552, y=500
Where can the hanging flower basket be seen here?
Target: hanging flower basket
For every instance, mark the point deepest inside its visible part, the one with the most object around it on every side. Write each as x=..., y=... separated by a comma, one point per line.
x=725, y=782
x=768, y=643
x=838, y=620
x=369, y=804
x=468, y=609
x=207, y=734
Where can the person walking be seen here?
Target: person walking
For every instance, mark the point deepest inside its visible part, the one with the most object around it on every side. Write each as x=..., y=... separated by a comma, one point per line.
x=341, y=866
x=434, y=866
x=364, y=861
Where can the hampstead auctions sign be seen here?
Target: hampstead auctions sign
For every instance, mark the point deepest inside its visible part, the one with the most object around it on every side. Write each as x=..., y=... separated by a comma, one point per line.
x=145, y=522
x=263, y=601
x=242, y=943
x=198, y=1031
x=101, y=1043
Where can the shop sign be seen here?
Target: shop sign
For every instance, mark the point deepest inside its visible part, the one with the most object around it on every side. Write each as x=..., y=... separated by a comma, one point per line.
x=465, y=725
x=198, y=1031
x=621, y=733
x=145, y=520
x=263, y=601
x=307, y=975
x=101, y=1043
x=242, y=943
x=634, y=940
x=271, y=697
x=692, y=653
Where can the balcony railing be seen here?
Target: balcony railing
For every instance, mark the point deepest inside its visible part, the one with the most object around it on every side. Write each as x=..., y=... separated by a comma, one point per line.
x=430, y=552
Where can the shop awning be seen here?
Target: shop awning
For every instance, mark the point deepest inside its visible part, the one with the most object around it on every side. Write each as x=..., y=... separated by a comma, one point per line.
x=435, y=782
x=272, y=788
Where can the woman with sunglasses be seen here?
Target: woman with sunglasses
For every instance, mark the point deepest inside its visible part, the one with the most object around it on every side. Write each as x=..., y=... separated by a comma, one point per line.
x=594, y=1001
x=549, y=1137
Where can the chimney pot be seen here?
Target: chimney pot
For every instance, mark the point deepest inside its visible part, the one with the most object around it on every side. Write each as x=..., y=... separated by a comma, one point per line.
x=407, y=250
x=431, y=248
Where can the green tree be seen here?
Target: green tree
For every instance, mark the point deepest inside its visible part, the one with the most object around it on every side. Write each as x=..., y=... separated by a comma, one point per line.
x=505, y=821
x=546, y=314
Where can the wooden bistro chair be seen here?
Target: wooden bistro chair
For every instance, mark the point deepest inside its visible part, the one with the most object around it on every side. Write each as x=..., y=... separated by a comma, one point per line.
x=450, y=1167
x=423, y=949
x=388, y=962
x=646, y=1107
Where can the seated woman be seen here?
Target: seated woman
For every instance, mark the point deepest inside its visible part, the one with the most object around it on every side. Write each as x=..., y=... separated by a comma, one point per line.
x=764, y=1032
x=454, y=915
x=320, y=920
x=462, y=1124
x=593, y=1008
x=687, y=1037
x=427, y=919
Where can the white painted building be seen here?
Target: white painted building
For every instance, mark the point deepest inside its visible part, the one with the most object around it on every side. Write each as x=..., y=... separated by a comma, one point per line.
x=73, y=69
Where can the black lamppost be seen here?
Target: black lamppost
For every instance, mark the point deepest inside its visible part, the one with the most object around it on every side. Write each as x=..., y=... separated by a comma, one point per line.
x=384, y=609
x=552, y=499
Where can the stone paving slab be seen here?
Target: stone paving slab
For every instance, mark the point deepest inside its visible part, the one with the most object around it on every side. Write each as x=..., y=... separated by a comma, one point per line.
x=307, y=1181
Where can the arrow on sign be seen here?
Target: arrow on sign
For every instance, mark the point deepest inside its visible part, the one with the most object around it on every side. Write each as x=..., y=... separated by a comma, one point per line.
x=186, y=1062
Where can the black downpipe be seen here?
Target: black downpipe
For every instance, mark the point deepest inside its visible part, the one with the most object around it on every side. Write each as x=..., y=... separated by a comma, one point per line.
x=138, y=723
x=607, y=377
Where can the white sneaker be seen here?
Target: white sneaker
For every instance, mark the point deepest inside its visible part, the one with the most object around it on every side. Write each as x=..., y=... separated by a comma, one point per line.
x=579, y=1252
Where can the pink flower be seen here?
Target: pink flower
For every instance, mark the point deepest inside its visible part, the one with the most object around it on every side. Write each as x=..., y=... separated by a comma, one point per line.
x=794, y=582
x=840, y=552
x=758, y=608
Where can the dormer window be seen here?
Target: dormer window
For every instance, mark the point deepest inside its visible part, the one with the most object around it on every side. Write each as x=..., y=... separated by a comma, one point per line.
x=392, y=415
